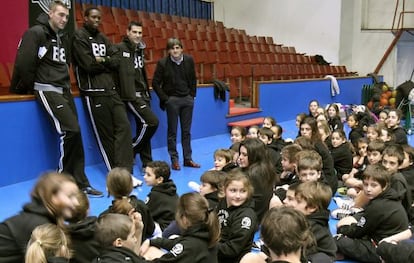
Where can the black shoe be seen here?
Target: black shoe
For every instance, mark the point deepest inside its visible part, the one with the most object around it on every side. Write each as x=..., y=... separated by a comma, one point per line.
x=92, y=192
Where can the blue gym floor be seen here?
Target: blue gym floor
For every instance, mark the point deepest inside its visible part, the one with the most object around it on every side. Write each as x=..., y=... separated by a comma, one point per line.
x=12, y=197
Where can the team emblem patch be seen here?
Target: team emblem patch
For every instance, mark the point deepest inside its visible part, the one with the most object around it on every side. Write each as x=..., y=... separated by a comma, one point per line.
x=177, y=249
x=361, y=222
x=246, y=223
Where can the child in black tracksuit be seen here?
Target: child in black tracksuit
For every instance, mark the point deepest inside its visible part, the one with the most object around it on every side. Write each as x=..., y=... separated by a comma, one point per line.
x=393, y=123
x=312, y=199
x=237, y=218
x=163, y=197
x=119, y=185
x=266, y=136
x=341, y=153
x=383, y=216
x=200, y=231
x=356, y=130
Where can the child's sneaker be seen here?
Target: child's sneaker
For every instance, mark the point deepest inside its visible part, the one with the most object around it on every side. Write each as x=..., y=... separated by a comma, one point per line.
x=340, y=213
x=344, y=203
x=136, y=182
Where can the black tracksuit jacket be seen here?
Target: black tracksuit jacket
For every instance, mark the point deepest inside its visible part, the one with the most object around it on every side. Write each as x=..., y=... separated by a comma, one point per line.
x=83, y=243
x=94, y=79
x=128, y=80
x=238, y=225
x=52, y=68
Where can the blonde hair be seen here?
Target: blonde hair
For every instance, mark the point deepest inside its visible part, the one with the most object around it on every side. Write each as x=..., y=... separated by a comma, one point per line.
x=47, y=240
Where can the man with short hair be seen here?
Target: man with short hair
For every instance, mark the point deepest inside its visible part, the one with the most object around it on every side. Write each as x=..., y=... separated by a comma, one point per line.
x=95, y=59
x=132, y=86
x=42, y=67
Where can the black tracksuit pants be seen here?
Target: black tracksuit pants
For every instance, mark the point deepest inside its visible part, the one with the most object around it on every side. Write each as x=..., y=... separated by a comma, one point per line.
x=112, y=129
x=146, y=125
x=62, y=112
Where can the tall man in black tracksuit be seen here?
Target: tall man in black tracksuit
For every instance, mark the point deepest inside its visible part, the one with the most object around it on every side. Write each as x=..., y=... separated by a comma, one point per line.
x=94, y=60
x=42, y=67
x=175, y=84
x=132, y=86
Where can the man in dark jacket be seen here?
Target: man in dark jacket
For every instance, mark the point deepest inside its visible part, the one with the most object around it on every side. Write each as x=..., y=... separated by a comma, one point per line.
x=132, y=86
x=175, y=84
x=42, y=68
x=95, y=59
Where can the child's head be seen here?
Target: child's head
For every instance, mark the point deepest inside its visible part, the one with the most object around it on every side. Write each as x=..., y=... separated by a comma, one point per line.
x=157, y=172
x=333, y=110
x=373, y=132
x=383, y=116
x=290, y=200
x=394, y=118
x=265, y=135
x=323, y=128
x=362, y=145
x=193, y=209
x=408, y=156
x=222, y=157
x=392, y=157
x=252, y=132
x=119, y=183
x=237, y=134
x=277, y=131
x=305, y=143
x=288, y=156
x=309, y=166
x=376, y=180
x=47, y=241
x=117, y=230
x=338, y=138
x=269, y=122
x=309, y=128
x=237, y=188
x=82, y=209
x=313, y=106
x=374, y=151
x=251, y=151
x=291, y=225
x=312, y=196
x=211, y=181
x=58, y=194
x=321, y=115
x=352, y=120
x=299, y=118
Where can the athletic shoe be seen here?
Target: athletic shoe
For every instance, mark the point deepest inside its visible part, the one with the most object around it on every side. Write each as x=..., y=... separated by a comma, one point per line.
x=136, y=182
x=344, y=203
x=194, y=186
x=92, y=192
x=340, y=213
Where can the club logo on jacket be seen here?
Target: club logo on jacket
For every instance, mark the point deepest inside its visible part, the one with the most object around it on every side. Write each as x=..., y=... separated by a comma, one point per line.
x=246, y=223
x=177, y=249
x=361, y=222
x=222, y=216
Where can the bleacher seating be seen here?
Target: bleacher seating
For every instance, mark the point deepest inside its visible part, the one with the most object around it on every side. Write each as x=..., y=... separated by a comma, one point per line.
x=225, y=53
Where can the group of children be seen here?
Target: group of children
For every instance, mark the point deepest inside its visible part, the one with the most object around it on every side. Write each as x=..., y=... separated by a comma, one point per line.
x=259, y=180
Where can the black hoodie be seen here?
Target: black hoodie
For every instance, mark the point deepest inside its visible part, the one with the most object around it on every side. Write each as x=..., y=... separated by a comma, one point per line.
x=43, y=57
x=190, y=247
x=382, y=217
x=15, y=232
x=238, y=225
x=162, y=201
x=325, y=243
x=84, y=244
x=396, y=253
x=118, y=255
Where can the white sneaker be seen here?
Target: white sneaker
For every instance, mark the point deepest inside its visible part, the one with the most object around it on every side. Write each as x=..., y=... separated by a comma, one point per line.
x=344, y=203
x=136, y=182
x=194, y=186
x=340, y=213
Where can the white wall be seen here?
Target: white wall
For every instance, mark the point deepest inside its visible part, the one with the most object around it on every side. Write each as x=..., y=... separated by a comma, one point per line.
x=331, y=28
